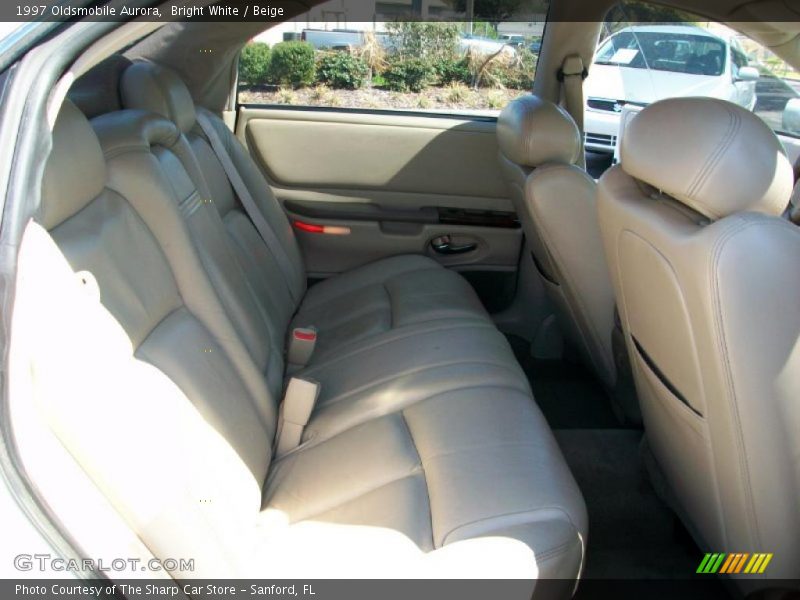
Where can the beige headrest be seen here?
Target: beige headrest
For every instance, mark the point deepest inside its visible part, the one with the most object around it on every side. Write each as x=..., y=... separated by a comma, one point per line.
x=75, y=172
x=148, y=86
x=714, y=156
x=532, y=132
x=123, y=130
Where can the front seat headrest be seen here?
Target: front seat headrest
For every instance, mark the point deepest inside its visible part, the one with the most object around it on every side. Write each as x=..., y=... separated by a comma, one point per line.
x=714, y=156
x=148, y=86
x=532, y=131
x=75, y=171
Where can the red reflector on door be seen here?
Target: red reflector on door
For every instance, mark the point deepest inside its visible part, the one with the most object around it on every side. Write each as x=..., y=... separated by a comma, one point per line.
x=328, y=229
x=310, y=228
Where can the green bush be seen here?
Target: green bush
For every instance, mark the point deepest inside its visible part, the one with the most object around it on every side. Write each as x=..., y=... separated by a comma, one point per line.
x=292, y=64
x=411, y=75
x=451, y=70
x=254, y=63
x=342, y=70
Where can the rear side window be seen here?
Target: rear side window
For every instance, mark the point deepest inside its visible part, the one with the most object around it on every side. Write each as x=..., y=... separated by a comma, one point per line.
x=438, y=63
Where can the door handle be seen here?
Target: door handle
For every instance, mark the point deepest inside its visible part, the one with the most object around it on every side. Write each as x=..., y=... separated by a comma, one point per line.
x=444, y=245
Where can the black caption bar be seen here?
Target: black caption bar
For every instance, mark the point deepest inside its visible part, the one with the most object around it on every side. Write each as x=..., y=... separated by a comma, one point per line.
x=707, y=588
x=233, y=589
x=127, y=10
x=357, y=10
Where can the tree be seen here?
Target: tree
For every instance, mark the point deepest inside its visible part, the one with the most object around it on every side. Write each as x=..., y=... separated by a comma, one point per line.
x=496, y=11
x=632, y=12
x=427, y=41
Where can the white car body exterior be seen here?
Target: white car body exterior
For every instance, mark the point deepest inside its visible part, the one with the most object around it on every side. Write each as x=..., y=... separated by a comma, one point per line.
x=485, y=46
x=609, y=87
x=336, y=38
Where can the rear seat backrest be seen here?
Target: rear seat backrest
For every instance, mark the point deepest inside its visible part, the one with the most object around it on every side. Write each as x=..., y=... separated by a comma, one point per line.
x=148, y=86
x=189, y=212
x=186, y=420
x=373, y=299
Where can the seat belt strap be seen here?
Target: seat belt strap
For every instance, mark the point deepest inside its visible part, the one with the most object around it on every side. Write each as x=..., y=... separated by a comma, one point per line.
x=571, y=75
x=245, y=197
x=298, y=403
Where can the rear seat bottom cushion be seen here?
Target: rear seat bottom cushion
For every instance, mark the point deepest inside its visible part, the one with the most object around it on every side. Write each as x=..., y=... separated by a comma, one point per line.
x=384, y=295
x=478, y=463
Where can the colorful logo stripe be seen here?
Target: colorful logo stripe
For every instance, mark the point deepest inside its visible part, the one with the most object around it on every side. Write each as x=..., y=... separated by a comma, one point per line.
x=735, y=562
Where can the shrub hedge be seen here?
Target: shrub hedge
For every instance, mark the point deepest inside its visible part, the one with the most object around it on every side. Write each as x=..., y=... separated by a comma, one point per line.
x=452, y=70
x=298, y=64
x=410, y=75
x=293, y=63
x=254, y=63
x=342, y=70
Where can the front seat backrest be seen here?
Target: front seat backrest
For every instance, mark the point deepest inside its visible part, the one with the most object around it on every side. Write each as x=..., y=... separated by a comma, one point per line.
x=706, y=279
x=539, y=145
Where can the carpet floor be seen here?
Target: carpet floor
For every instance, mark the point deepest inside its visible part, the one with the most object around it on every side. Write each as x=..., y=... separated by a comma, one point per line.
x=633, y=535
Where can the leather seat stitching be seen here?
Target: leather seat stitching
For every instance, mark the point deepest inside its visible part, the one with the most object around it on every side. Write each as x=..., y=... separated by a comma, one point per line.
x=583, y=321
x=424, y=474
x=728, y=137
x=382, y=342
x=416, y=471
x=484, y=447
x=554, y=552
x=314, y=441
x=311, y=303
x=400, y=332
x=510, y=514
x=722, y=345
x=415, y=371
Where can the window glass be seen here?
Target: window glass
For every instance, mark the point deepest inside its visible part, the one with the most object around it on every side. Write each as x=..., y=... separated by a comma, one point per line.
x=438, y=63
x=777, y=88
x=648, y=53
x=663, y=50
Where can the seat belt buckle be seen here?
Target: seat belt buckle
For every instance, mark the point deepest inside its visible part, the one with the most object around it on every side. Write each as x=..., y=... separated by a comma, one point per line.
x=301, y=346
x=298, y=404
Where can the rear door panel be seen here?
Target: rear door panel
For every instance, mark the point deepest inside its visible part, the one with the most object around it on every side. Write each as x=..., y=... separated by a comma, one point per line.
x=391, y=161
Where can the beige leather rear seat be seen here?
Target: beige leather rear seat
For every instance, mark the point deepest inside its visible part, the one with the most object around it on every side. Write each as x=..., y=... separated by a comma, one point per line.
x=427, y=455
x=413, y=361
x=375, y=298
x=423, y=331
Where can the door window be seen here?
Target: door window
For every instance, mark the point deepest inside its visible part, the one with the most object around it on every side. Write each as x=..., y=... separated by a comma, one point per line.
x=330, y=59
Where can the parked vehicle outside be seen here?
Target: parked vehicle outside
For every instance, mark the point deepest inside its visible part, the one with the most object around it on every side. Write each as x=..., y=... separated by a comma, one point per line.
x=513, y=39
x=484, y=45
x=335, y=39
x=323, y=39
x=639, y=65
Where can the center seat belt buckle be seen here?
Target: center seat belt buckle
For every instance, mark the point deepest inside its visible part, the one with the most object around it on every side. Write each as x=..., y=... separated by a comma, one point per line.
x=301, y=346
x=298, y=404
